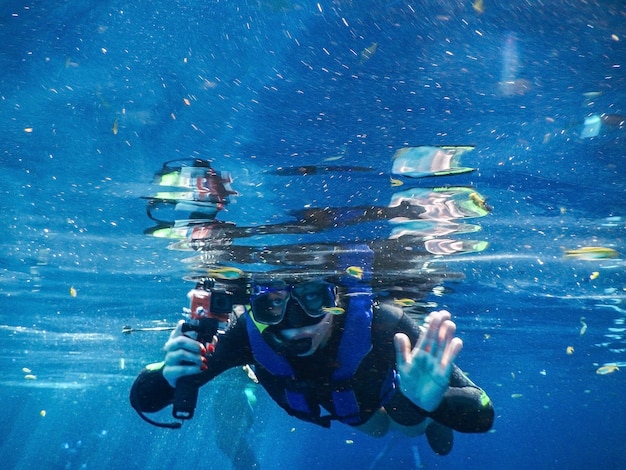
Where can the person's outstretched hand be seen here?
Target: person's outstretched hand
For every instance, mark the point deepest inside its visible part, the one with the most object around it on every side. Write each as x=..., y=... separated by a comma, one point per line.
x=424, y=372
x=183, y=356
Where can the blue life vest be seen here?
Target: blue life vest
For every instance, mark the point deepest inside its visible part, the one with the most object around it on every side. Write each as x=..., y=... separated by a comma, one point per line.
x=355, y=344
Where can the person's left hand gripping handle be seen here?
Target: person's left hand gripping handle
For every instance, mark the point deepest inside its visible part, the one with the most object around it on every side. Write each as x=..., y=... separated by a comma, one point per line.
x=424, y=372
x=183, y=356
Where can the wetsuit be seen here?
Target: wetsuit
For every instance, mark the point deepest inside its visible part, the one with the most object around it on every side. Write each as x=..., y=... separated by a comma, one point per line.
x=465, y=407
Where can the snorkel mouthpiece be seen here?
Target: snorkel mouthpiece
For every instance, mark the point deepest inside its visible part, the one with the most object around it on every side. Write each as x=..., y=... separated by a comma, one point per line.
x=285, y=347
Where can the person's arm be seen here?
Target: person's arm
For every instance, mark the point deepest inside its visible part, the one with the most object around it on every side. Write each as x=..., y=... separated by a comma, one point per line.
x=424, y=371
x=463, y=405
x=154, y=388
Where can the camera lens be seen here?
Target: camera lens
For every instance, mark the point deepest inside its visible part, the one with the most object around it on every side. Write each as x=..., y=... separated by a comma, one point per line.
x=221, y=302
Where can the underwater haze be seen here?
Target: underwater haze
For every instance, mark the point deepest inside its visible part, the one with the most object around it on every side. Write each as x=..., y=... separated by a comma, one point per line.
x=304, y=105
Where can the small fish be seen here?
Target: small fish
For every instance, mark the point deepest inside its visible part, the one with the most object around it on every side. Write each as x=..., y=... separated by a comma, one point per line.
x=26, y=370
x=368, y=52
x=594, y=275
x=478, y=200
x=355, y=271
x=30, y=377
x=516, y=395
x=396, y=182
x=590, y=253
x=607, y=369
x=334, y=310
x=404, y=302
x=115, y=127
x=225, y=273
x=73, y=292
x=570, y=350
x=478, y=6
x=583, y=328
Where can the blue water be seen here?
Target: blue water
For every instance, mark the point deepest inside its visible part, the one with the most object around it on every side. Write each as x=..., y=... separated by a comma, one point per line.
x=260, y=85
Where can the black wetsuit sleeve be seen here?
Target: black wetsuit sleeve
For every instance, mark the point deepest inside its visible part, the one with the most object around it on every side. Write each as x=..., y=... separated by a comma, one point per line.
x=151, y=392
x=465, y=406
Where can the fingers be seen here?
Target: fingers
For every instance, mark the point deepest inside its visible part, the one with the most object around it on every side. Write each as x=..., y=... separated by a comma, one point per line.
x=178, y=331
x=403, y=348
x=439, y=340
x=451, y=352
x=180, y=341
x=434, y=337
x=183, y=356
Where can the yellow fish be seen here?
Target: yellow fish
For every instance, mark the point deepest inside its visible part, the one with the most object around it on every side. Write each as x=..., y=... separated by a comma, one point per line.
x=479, y=6
x=355, y=271
x=404, y=302
x=396, y=182
x=570, y=350
x=334, y=310
x=368, y=52
x=590, y=253
x=225, y=273
x=115, y=128
x=607, y=369
x=73, y=292
x=478, y=200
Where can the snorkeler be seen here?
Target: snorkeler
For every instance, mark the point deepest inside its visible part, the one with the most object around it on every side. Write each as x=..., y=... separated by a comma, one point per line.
x=319, y=345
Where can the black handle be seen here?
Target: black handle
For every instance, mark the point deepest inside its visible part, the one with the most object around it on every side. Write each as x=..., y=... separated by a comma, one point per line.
x=185, y=398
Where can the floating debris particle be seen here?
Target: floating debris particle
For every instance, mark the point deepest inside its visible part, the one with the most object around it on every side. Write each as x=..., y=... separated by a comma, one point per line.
x=607, y=369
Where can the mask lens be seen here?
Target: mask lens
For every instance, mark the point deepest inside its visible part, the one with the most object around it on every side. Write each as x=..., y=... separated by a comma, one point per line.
x=314, y=296
x=269, y=305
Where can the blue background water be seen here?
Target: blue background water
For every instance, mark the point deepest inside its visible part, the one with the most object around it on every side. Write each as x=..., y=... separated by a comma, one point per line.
x=275, y=83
